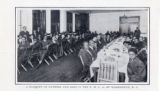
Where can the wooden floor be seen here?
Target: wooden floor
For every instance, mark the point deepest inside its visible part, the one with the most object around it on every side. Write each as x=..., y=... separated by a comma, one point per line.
x=65, y=69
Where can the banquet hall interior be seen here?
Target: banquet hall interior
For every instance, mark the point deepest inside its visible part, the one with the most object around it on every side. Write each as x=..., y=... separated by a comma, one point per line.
x=82, y=45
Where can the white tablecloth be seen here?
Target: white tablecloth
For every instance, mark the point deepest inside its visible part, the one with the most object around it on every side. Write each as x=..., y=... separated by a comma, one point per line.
x=116, y=50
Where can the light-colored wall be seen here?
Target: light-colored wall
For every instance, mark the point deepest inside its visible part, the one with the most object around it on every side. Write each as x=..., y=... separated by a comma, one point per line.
x=26, y=19
x=102, y=22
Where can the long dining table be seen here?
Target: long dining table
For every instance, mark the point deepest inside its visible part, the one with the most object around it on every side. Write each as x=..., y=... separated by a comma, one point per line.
x=117, y=50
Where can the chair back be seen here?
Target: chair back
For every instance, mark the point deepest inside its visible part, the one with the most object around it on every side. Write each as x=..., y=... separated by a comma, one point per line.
x=108, y=71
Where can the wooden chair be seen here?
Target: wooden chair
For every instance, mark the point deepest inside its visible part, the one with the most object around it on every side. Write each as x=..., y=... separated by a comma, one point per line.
x=22, y=57
x=86, y=76
x=108, y=71
x=30, y=56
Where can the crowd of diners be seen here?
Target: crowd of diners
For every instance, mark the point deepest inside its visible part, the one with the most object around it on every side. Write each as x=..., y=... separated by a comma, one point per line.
x=86, y=45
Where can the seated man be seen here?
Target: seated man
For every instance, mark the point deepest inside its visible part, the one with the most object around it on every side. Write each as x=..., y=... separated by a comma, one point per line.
x=40, y=33
x=136, y=69
x=99, y=43
x=64, y=45
x=127, y=44
x=128, y=39
x=95, y=43
x=60, y=45
x=103, y=40
x=142, y=44
x=22, y=48
x=19, y=39
x=69, y=42
x=92, y=50
x=86, y=59
x=45, y=43
x=108, y=38
x=24, y=44
x=54, y=47
x=73, y=43
x=24, y=53
x=37, y=45
x=137, y=44
x=24, y=32
x=142, y=55
x=41, y=46
x=77, y=43
x=31, y=40
x=35, y=34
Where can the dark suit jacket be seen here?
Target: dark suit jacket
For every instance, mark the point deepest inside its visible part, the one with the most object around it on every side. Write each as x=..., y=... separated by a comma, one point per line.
x=103, y=41
x=87, y=59
x=136, y=70
x=137, y=33
x=99, y=45
x=22, y=33
x=93, y=52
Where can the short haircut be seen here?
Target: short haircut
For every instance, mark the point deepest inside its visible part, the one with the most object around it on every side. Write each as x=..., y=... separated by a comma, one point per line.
x=91, y=41
x=133, y=50
x=126, y=42
x=85, y=42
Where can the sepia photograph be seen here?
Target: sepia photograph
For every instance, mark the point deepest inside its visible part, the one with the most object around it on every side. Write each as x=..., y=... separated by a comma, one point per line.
x=91, y=45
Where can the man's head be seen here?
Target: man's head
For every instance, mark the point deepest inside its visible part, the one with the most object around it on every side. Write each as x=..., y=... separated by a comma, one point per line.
x=45, y=38
x=34, y=31
x=108, y=36
x=104, y=36
x=39, y=37
x=25, y=36
x=63, y=36
x=95, y=39
x=56, y=36
x=137, y=28
x=31, y=36
x=140, y=38
x=38, y=29
x=19, y=36
x=136, y=40
x=77, y=37
x=132, y=53
x=35, y=40
x=53, y=39
x=68, y=36
x=98, y=37
x=91, y=43
x=23, y=40
x=127, y=44
x=128, y=38
x=85, y=45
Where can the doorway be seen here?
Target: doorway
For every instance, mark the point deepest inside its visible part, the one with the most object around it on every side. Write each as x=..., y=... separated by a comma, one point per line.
x=55, y=21
x=39, y=20
x=128, y=24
